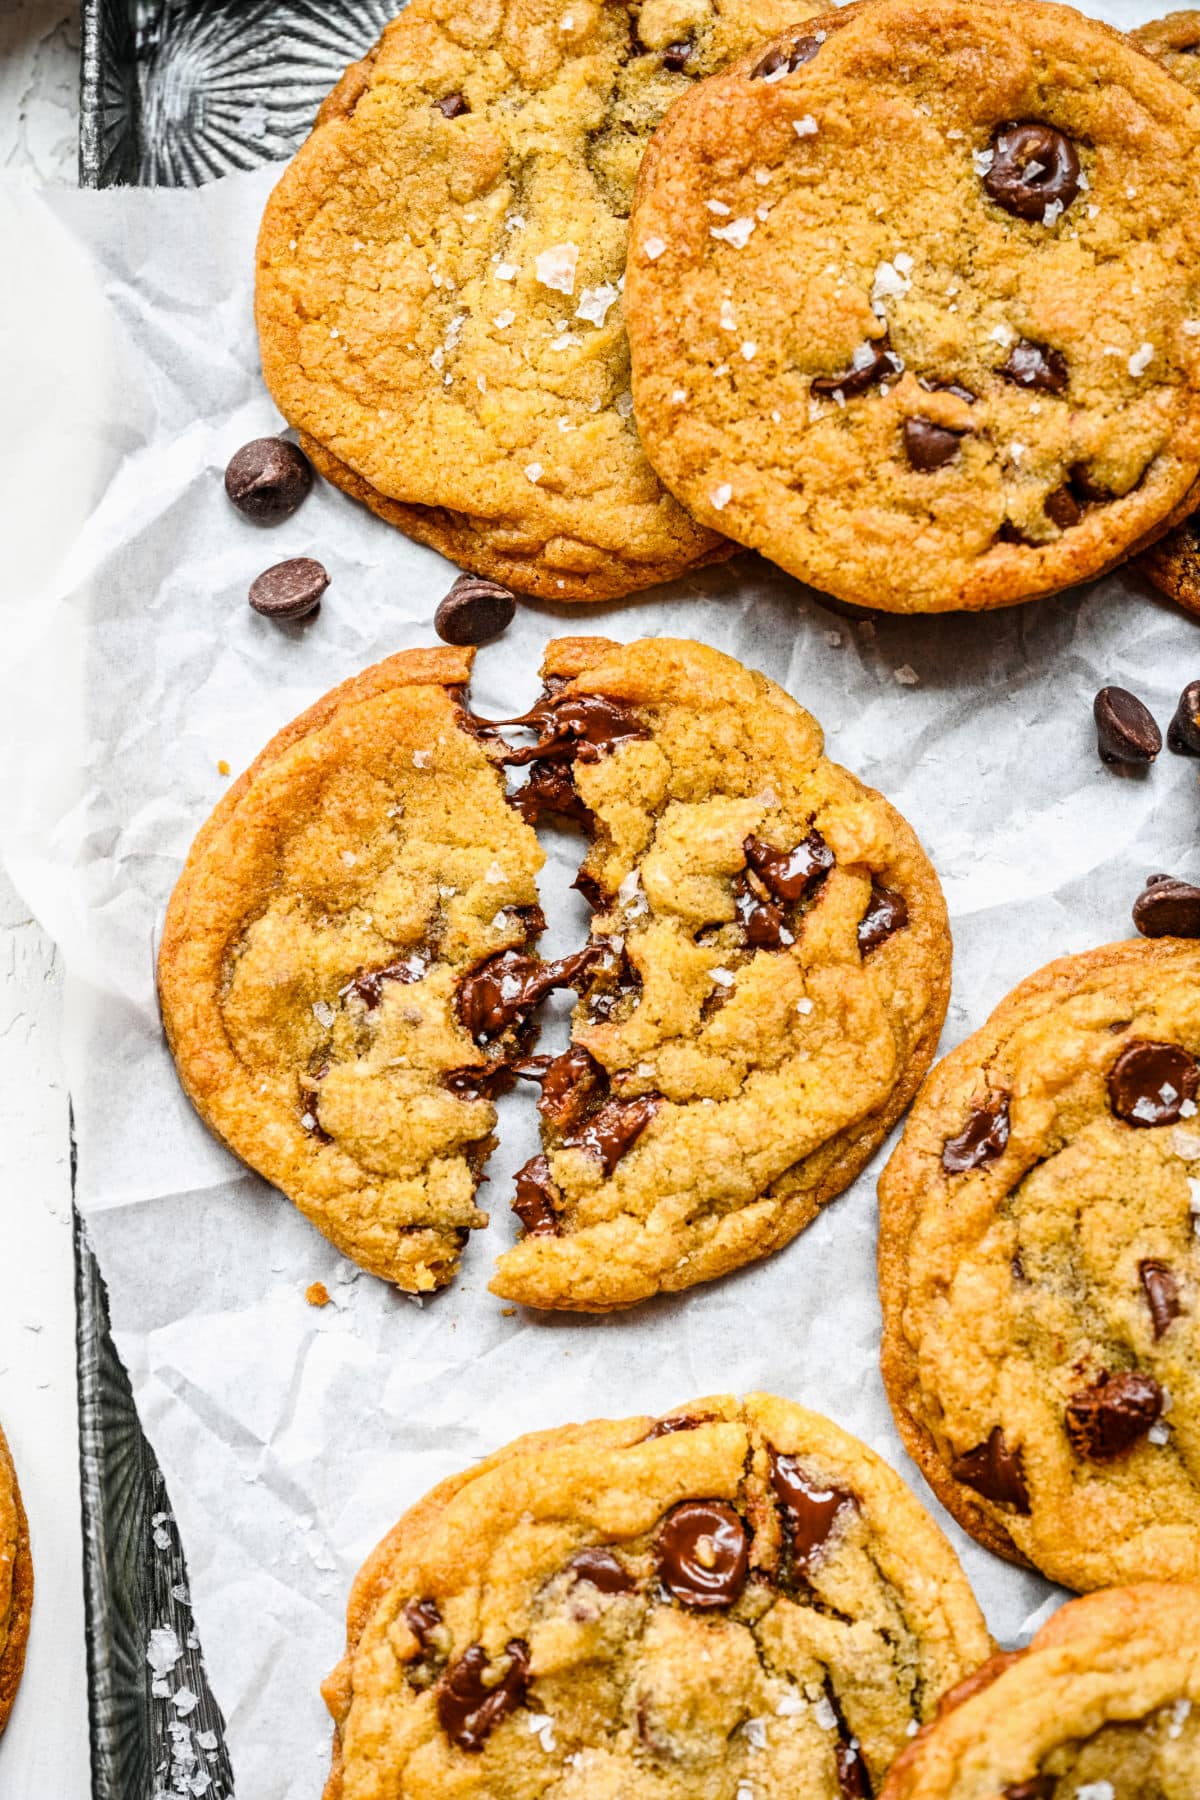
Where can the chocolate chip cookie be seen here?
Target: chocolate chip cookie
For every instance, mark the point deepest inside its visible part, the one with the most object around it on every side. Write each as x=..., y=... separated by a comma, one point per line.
x=359, y=900
x=1173, y=564
x=440, y=277
x=16, y=1583
x=1174, y=41
x=914, y=301
x=1040, y=1270
x=737, y=1597
x=770, y=972
x=1104, y=1705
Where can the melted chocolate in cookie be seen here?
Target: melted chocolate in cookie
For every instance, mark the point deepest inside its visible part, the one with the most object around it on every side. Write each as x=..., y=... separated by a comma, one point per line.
x=873, y=361
x=929, y=446
x=887, y=912
x=502, y=990
x=761, y=919
x=790, y=874
x=853, y=1781
x=1062, y=508
x=994, y=1471
x=423, y=1618
x=1042, y=1787
x=368, y=987
x=786, y=58
x=809, y=1509
x=550, y=789
x=1105, y=1421
x=601, y=1570
x=574, y=728
x=571, y=1083
x=1150, y=1083
x=703, y=1553
x=1033, y=166
x=1161, y=1288
x=468, y=1707
x=1037, y=366
x=537, y=1199
x=615, y=1128
x=687, y=1422
x=981, y=1140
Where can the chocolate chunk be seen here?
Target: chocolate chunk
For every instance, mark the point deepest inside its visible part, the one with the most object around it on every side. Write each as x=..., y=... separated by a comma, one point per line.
x=423, y=1618
x=1037, y=366
x=289, y=590
x=1150, y=1082
x=571, y=1083
x=887, y=912
x=452, y=106
x=1062, y=508
x=933, y=386
x=1033, y=167
x=1183, y=733
x=574, y=728
x=474, y=610
x=809, y=1508
x=1162, y=1294
x=786, y=57
x=1125, y=729
x=368, y=986
x=551, y=789
x=981, y=1140
x=469, y=1707
x=929, y=446
x=703, y=1553
x=1042, y=1787
x=477, y=1083
x=853, y=1781
x=762, y=920
x=1085, y=487
x=600, y=1569
x=615, y=1129
x=1167, y=908
x=502, y=990
x=675, y=56
x=685, y=1422
x=1106, y=1420
x=537, y=1199
x=790, y=874
x=994, y=1471
x=873, y=361
x=587, y=885
x=267, y=479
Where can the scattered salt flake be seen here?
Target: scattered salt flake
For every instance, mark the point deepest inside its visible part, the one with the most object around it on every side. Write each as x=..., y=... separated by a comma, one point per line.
x=804, y=1006
x=762, y=214
x=912, y=1728
x=564, y=341
x=721, y=496
x=594, y=302
x=500, y=922
x=1159, y=1433
x=555, y=267
x=773, y=75
x=1191, y=328
x=421, y=760
x=1193, y=1194
x=906, y=675
x=564, y=424
x=749, y=350
x=744, y=1791
x=954, y=135
x=309, y=1124
x=1000, y=334
x=824, y=1714
x=756, y=1733
x=833, y=639
x=1017, y=450
x=1053, y=212
x=506, y=271
x=805, y=127
x=185, y=1701
x=567, y=22
x=624, y=405
x=481, y=383
x=1180, y=1713
x=1096, y=1790
x=723, y=977
x=208, y=1740
x=541, y=1726
x=323, y=1013
x=890, y=283
x=629, y=887
x=334, y=332
x=163, y=1651
x=983, y=160
x=762, y=176
x=653, y=248
x=1093, y=212
x=721, y=369
x=534, y=472
x=678, y=396
x=1187, y=1109
x=737, y=232
x=503, y=320
x=1141, y=359
x=494, y=874
x=728, y=317
x=790, y=1706
x=438, y=357
x=719, y=207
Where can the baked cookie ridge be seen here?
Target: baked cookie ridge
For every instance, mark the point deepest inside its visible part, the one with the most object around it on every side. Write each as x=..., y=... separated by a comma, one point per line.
x=16, y=1583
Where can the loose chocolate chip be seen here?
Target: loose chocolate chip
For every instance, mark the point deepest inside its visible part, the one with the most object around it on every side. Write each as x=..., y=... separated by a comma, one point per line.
x=1150, y=1083
x=1062, y=508
x=452, y=106
x=1168, y=908
x=574, y=728
x=474, y=610
x=809, y=1508
x=600, y=1569
x=686, y=1422
x=1033, y=365
x=1033, y=166
x=872, y=362
x=368, y=986
x=502, y=990
x=853, y=1781
x=1162, y=1294
x=289, y=590
x=1125, y=729
x=675, y=56
x=267, y=479
x=537, y=1199
x=929, y=446
x=1106, y=1420
x=571, y=1083
x=761, y=920
x=703, y=1553
x=423, y=1618
x=790, y=874
x=887, y=912
x=994, y=1471
x=786, y=56
x=981, y=1140
x=1183, y=733
x=470, y=1703
x=615, y=1129
x=1042, y=1787
x=550, y=789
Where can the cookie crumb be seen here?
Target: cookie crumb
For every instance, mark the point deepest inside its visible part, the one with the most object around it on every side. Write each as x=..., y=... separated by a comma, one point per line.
x=906, y=675
x=222, y=767
x=317, y=1294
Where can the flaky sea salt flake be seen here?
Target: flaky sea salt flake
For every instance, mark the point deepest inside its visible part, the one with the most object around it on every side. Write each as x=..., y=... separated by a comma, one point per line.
x=594, y=302
x=1141, y=359
x=653, y=248
x=555, y=267
x=805, y=127
x=721, y=495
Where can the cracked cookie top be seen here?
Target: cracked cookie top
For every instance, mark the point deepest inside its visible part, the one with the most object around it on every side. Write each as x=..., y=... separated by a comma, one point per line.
x=914, y=301
x=439, y=281
x=16, y=1583
x=737, y=1597
x=1040, y=1270
x=771, y=974
x=1104, y=1705
x=1174, y=41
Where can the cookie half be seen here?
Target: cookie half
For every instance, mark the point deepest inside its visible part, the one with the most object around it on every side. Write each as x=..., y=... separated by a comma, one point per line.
x=737, y=1594
x=1104, y=1705
x=772, y=975
x=914, y=302
x=16, y=1583
x=439, y=282
x=1040, y=1271
x=1174, y=41
x=353, y=900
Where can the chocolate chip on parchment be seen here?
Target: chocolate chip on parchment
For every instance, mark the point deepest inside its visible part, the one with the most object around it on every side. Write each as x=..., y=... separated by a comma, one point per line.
x=789, y=874
x=929, y=446
x=474, y=610
x=703, y=1553
x=267, y=479
x=873, y=361
x=535, y=1200
x=1183, y=733
x=601, y=1570
x=994, y=1471
x=1167, y=908
x=1150, y=1083
x=452, y=106
x=1125, y=728
x=1033, y=166
x=472, y=1699
x=1037, y=366
x=675, y=56
x=981, y=1140
x=1105, y=1421
x=810, y=1508
x=289, y=590
x=1161, y=1288
x=1062, y=508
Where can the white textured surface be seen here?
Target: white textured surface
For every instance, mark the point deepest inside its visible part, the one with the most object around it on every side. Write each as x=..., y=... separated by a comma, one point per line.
x=44, y=1754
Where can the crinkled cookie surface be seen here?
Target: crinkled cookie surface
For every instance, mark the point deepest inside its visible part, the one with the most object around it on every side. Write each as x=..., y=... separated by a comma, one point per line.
x=1174, y=41
x=16, y=1583
x=739, y=1596
x=914, y=301
x=1040, y=1270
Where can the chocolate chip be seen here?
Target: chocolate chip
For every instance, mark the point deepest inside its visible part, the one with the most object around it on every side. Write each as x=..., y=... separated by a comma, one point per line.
x=1042, y=1787
x=933, y=386
x=887, y=912
x=1037, y=366
x=1168, y=908
x=703, y=1553
x=684, y=1422
x=675, y=56
x=423, y=1618
x=368, y=985
x=452, y=106
x=1105, y=1421
x=1150, y=1082
x=929, y=446
x=502, y=990
x=790, y=874
x=587, y=885
x=1085, y=487
x=471, y=1702
x=809, y=1508
x=601, y=1570
x=874, y=361
x=615, y=1128
x=1033, y=166
x=1162, y=1294
x=762, y=920
x=853, y=1781
x=289, y=590
x=981, y=1140
x=574, y=728
x=477, y=1083
x=537, y=1199
x=571, y=1083
x=550, y=789
x=1183, y=733
x=267, y=479
x=1062, y=508
x=994, y=1471
x=786, y=56
x=1125, y=729
x=474, y=610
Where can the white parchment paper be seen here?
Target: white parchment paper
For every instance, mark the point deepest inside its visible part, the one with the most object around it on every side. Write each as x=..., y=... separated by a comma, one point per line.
x=291, y=1438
